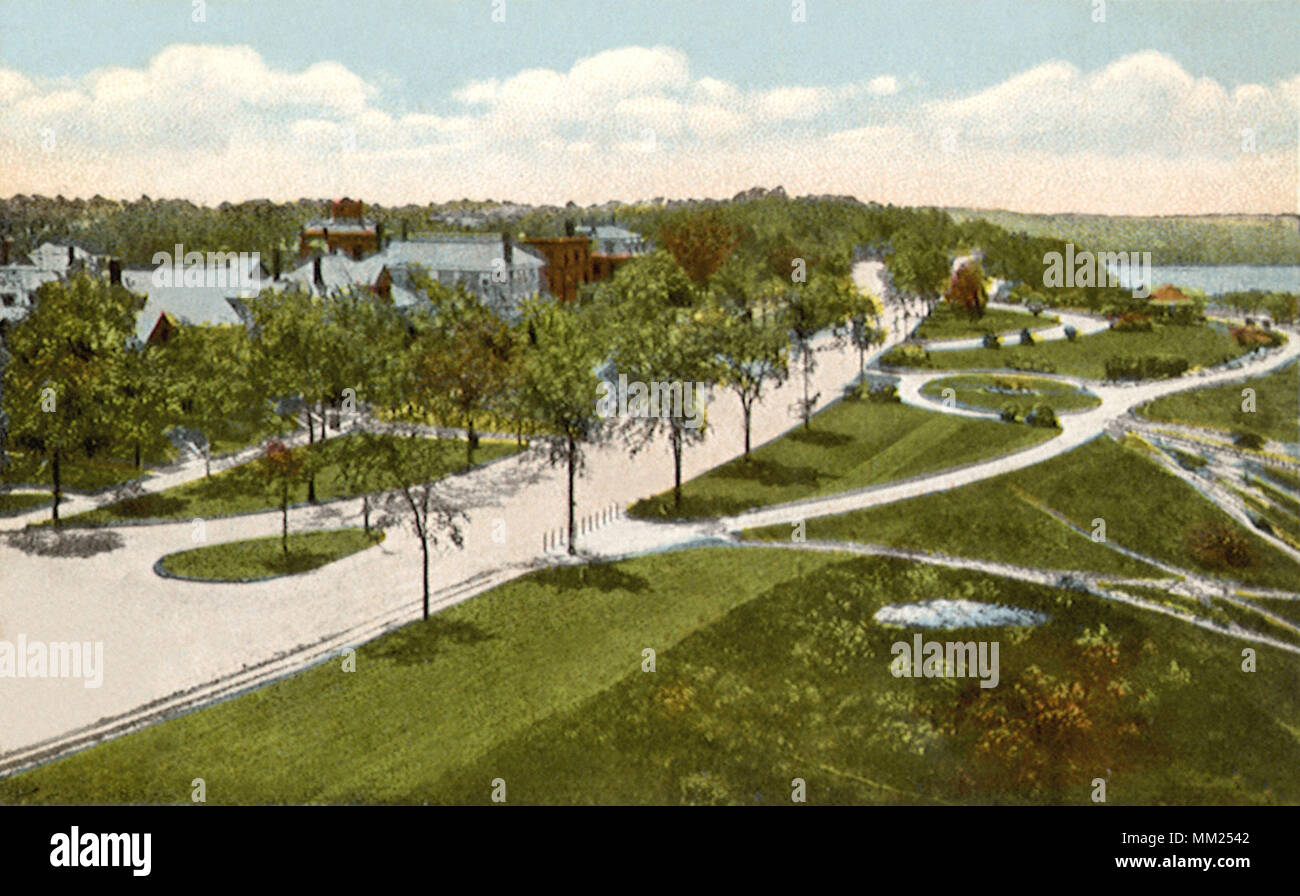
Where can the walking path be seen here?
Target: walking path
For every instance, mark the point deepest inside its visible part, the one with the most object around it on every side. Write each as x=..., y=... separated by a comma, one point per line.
x=171, y=645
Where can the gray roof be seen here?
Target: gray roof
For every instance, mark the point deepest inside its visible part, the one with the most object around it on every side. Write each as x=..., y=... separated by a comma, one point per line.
x=608, y=232
x=21, y=280
x=341, y=225
x=54, y=256
x=343, y=272
x=457, y=253
x=188, y=304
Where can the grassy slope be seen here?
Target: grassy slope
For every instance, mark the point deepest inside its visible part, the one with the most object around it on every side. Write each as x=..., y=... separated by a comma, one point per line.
x=977, y=391
x=1145, y=509
x=944, y=323
x=260, y=558
x=853, y=443
x=1276, y=414
x=240, y=490
x=540, y=682
x=424, y=700
x=796, y=684
x=1086, y=356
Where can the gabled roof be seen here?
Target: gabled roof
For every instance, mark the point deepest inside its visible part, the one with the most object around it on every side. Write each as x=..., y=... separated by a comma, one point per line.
x=1169, y=294
x=54, y=256
x=184, y=304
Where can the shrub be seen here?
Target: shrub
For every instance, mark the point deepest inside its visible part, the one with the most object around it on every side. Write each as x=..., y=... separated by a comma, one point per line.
x=1251, y=336
x=874, y=391
x=1245, y=439
x=1129, y=367
x=992, y=340
x=1009, y=413
x=1035, y=308
x=1131, y=322
x=1042, y=415
x=1026, y=337
x=1071, y=332
x=1220, y=547
x=909, y=354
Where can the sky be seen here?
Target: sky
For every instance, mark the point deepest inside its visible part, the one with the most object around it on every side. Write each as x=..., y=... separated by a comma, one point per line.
x=1120, y=107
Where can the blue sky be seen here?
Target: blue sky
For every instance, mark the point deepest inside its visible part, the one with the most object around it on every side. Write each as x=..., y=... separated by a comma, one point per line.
x=420, y=89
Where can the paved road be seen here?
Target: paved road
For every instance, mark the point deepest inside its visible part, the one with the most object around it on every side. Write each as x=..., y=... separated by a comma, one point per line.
x=172, y=645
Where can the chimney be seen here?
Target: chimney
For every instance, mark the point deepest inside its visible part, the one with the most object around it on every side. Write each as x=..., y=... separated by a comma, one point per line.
x=317, y=277
x=6, y=245
x=507, y=247
x=568, y=227
x=275, y=263
x=114, y=272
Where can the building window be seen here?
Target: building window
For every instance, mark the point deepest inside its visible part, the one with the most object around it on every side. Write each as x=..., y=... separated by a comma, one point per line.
x=8, y=300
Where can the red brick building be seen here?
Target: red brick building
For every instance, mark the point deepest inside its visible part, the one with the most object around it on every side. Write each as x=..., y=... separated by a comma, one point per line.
x=345, y=230
x=568, y=264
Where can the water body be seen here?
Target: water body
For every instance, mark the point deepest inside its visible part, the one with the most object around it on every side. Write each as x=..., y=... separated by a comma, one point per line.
x=958, y=613
x=1216, y=279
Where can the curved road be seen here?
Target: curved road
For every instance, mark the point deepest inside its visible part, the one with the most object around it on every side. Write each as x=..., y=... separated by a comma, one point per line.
x=170, y=646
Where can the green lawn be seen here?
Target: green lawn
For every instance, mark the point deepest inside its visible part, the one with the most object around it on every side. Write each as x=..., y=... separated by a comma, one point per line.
x=242, y=434
x=1276, y=414
x=76, y=473
x=1145, y=509
x=944, y=323
x=768, y=667
x=241, y=489
x=1202, y=346
x=12, y=503
x=264, y=558
x=851, y=444
x=992, y=391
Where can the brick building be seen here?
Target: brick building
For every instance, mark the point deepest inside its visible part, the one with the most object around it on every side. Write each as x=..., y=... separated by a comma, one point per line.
x=346, y=230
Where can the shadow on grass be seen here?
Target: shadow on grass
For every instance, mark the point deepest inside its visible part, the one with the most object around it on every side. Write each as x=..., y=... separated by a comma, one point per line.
x=148, y=507
x=600, y=577
x=56, y=543
x=769, y=473
x=417, y=644
x=296, y=562
x=822, y=438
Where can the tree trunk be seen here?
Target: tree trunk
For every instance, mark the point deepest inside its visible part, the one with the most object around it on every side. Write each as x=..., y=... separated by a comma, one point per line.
x=58, y=484
x=137, y=454
x=471, y=442
x=573, y=549
x=424, y=551
x=365, y=512
x=676, y=439
x=807, y=411
x=311, y=473
x=747, y=410
x=284, y=520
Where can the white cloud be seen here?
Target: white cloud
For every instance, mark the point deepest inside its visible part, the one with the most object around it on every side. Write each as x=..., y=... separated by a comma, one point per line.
x=217, y=122
x=883, y=86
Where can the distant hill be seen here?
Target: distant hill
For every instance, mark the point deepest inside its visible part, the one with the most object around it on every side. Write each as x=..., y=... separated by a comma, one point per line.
x=1177, y=239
